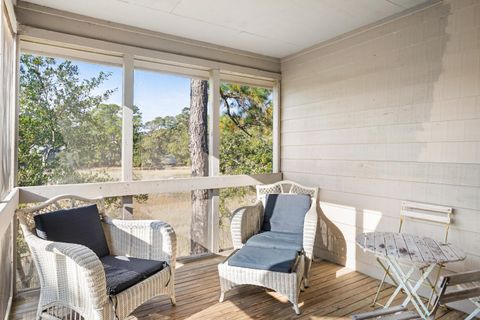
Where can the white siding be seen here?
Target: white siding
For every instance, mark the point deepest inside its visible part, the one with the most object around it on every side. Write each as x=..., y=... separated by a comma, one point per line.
x=384, y=115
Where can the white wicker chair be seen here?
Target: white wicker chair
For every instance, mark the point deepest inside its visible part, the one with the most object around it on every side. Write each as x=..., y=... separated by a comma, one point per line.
x=247, y=221
x=72, y=278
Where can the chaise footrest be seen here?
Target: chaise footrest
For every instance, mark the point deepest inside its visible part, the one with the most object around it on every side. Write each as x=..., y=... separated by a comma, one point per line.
x=286, y=282
x=279, y=260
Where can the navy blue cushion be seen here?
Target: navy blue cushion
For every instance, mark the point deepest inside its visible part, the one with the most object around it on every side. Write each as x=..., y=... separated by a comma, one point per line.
x=277, y=240
x=279, y=260
x=123, y=272
x=285, y=212
x=80, y=225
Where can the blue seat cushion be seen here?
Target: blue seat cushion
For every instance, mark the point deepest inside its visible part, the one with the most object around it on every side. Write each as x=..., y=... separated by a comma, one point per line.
x=277, y=240
x=80, y=225
x=123, y=272
x=285, y=212
x=279, y=260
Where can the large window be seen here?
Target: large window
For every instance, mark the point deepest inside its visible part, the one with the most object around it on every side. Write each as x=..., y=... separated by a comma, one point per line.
x=70, y=131
x=70, y=121
x=170, y=141
x=246, y=125
x=161, y=123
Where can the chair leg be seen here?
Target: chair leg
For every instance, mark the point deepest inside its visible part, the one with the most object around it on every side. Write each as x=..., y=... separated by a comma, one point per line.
x=222, y=297
x=296, y=308
x=173, y=300
x=308, y=264
x=379, y=288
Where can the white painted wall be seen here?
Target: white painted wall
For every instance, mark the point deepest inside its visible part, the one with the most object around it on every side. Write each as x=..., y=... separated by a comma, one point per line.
x=384, y=115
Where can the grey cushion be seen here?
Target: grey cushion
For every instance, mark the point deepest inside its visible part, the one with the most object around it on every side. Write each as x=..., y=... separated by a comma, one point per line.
x=123, y=272
x=80, y=225
x=277, y=240
x=285, y=212
x=279, y=260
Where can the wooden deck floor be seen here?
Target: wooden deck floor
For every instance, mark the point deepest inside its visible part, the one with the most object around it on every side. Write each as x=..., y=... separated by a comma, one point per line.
x=335, y=293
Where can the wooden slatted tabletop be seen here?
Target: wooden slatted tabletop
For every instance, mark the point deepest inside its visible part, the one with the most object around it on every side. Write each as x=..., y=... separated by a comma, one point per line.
x=410, y=248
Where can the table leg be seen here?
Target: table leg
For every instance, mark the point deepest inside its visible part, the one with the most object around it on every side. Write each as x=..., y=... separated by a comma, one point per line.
x=411, y=292
x=399, y=288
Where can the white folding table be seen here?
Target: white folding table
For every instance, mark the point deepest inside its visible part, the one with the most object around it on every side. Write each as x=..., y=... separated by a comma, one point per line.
x=417, y=252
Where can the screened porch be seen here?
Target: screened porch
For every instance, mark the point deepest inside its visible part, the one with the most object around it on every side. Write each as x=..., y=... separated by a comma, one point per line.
x=177, y=110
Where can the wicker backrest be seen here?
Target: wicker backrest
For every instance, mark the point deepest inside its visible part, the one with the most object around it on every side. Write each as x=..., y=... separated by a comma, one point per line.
x=285, y=187
x=26, y=215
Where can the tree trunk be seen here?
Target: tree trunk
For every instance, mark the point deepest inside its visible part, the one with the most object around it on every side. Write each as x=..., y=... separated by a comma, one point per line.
x=198, y=146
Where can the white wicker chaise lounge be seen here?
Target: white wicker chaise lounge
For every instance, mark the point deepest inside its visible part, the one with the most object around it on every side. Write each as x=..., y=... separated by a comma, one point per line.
x=273, y=241
x=78, y=284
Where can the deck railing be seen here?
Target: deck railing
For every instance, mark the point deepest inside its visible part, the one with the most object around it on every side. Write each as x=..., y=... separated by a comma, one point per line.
x=25, y=195
x=7, y=253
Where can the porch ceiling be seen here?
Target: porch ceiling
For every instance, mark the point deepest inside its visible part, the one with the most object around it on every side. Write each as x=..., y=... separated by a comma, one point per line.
x=275, y=28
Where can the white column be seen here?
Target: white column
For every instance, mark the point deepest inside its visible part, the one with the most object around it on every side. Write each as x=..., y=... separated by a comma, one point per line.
x=213, y=157
x=127, y=129
x=276, y=127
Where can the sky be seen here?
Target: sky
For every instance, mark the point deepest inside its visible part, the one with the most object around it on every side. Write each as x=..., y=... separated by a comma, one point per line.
x=156, y=94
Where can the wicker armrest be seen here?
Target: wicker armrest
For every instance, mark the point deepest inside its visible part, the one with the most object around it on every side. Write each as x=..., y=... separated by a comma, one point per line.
x=146, y=239
x=310, y=230
x=66, y=265
x=246, y=222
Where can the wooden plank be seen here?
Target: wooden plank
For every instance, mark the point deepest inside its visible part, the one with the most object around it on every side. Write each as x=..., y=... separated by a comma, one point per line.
x=462, y=277
x=380, y=247
x=402, y=248
x=451, y=252
x=12, y=19
x=426, y=206
x=413, y=250
x=7, y=210
x=198, y=73
x=125, y=188
x=436, y=250
x=425, y=252
x=378, y=312
x=329, y=296
x=390, y=244
x=426, y=216
x=407, y=315
x=45, y=49
x=457, y=251
x=459, y=295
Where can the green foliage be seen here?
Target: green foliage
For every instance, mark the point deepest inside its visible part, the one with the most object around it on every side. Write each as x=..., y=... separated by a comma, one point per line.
x=246, y=137
x=165, y=138
x=246, y=130
x=59, y=120
x=67, y=130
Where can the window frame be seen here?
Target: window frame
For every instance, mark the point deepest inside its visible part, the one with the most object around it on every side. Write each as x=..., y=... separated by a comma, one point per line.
x=129, y=63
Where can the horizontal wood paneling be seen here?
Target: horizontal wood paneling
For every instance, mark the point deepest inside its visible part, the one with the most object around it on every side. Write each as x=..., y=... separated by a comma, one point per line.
x=386, y=115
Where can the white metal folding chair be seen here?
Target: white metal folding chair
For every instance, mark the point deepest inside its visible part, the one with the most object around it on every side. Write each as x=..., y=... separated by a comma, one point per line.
x=439, y=215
